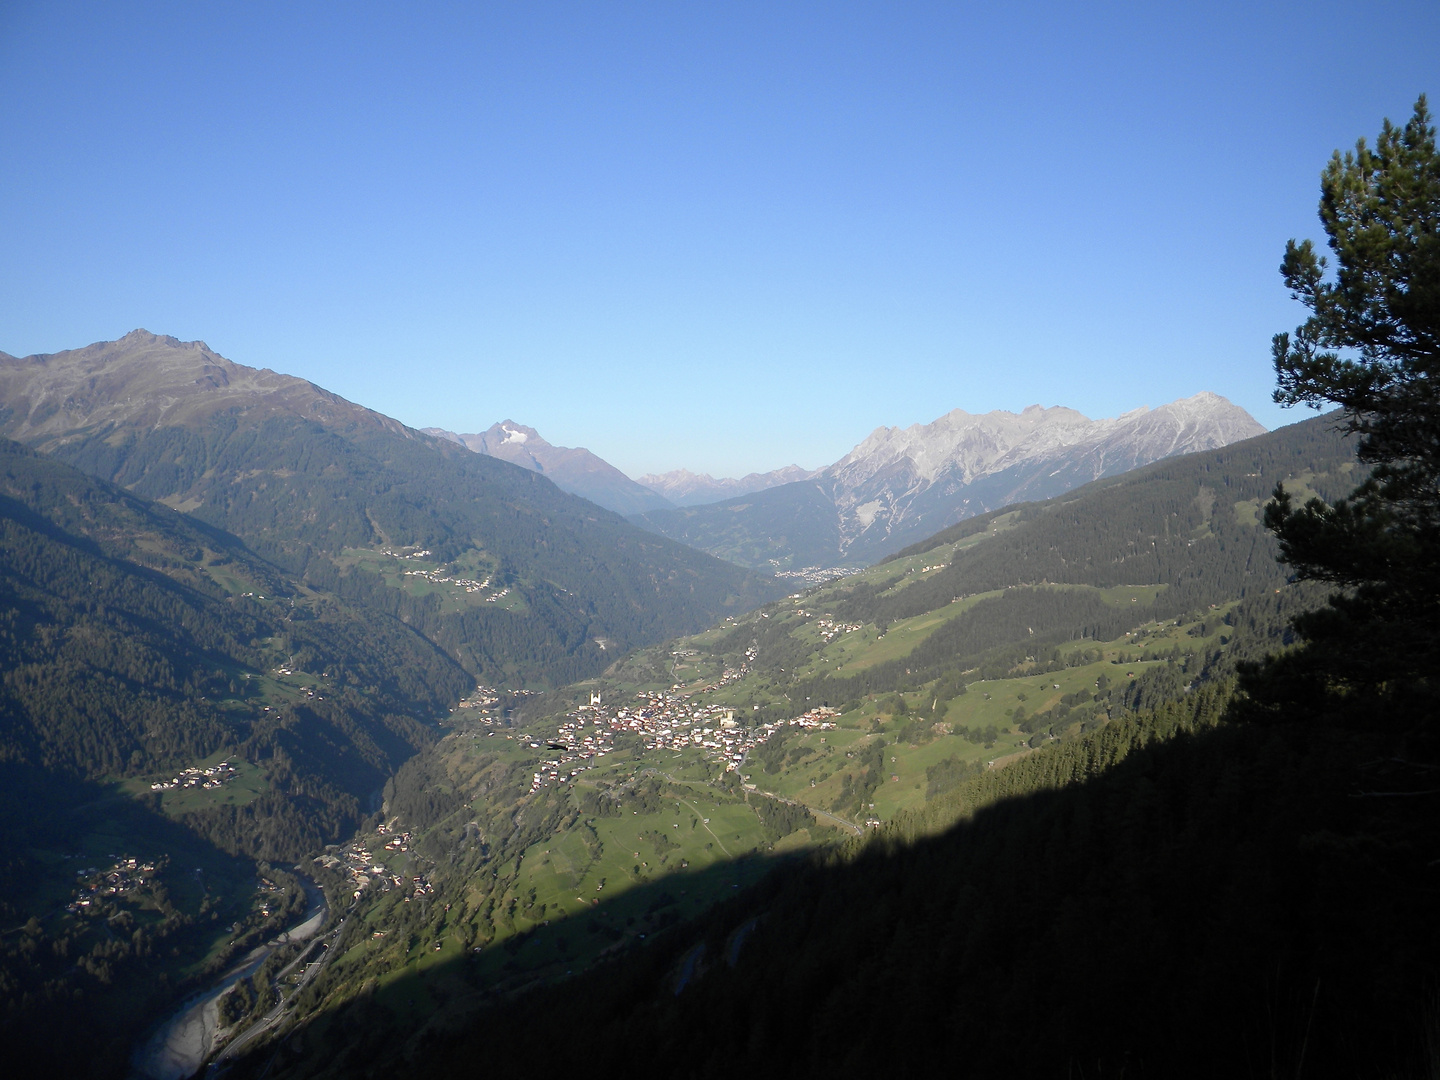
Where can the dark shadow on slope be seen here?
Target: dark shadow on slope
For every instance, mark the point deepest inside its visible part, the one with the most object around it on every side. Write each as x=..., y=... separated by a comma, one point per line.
x=648, y=919
x=79, y=984
x=1239, y=902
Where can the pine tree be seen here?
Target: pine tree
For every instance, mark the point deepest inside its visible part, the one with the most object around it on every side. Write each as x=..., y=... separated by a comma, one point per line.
x=1370, y=346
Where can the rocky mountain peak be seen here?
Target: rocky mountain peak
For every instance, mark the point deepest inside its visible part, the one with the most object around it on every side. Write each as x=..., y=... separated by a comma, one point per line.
x=572, y=469
x=900, y=484
x=896, y=475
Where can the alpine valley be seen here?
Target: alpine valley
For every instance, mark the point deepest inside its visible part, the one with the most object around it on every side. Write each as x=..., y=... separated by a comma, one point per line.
x=331, y=748
x=982, y=775
x=187, y=693
x=948, y=809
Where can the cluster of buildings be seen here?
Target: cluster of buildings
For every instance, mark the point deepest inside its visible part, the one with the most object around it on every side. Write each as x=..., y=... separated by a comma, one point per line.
x=664, y=721
x=125, y=875
x=817, y=719
x=269, y=893
x=730, y=675
x=482, y=697
x=727, y=675
x=830, y=629
x=367, y=874
x=211, y=777
x=435, y=577
x=364, y=870
x=810, y=576
x=485, y=704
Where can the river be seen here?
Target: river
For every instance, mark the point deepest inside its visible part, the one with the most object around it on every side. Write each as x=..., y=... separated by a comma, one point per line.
x=183, y=1041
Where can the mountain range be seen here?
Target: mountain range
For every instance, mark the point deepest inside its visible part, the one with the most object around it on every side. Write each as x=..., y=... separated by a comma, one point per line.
x=340, y=495
x=572, y=469
x=901, y=484
x=578, y=471
x=895, y=487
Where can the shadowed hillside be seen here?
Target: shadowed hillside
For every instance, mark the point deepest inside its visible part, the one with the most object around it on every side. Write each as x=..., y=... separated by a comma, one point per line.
x=172, y=708
x=525, y=583
x=1166, y=897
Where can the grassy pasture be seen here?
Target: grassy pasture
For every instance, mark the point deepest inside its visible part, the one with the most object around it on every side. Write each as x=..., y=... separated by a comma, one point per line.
x=404, y=573
x=899, y=640
x=816, y=763
x=248, y=785
x=612, y=877
x=223, y=572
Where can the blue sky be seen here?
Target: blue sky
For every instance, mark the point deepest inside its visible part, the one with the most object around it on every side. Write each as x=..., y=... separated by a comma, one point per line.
x=719, y=236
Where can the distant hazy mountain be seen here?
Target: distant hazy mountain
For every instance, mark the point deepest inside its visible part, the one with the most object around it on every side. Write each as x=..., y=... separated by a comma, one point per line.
x=572, y=469
x=902, y=484
x=578, y=471
x=684, y=488
x=329, y=490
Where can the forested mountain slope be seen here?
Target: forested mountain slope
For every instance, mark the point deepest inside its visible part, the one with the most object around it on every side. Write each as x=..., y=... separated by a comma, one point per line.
x=137, y=641
x=523, y=583
x=172, y=707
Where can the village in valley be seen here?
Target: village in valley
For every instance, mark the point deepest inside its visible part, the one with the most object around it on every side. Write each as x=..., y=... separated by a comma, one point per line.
x=663, y=721
x=672, y=719
x=365, y=870
x=809, y=576
x=439, y=577
x=208, y=777
x=125, y=875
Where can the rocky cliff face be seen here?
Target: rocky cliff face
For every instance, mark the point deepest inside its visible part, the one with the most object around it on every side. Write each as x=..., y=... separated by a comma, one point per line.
x=901, y=484
x=921, y=478
x=572, y=469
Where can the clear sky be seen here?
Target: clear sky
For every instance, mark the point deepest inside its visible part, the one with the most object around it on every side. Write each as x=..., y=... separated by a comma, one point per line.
x=725, y=236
